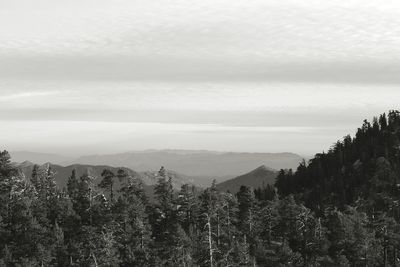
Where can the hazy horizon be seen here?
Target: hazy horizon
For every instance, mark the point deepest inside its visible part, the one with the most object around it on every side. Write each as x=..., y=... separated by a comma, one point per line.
x=73, y=156
x=101, y=77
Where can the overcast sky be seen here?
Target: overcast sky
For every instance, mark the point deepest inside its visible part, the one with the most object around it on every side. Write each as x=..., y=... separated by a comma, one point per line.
x=104, y=76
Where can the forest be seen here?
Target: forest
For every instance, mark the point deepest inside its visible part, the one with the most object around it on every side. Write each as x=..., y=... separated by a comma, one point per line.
x=341, y=208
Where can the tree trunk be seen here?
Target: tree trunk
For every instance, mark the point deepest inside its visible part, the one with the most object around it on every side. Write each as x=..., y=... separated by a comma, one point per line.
x=385, y=252
x=141, y=239
x=210, y=241
x=111, y=192
x=229, y=226
x=385, y=256
x=95, y=260
x=269, y=232
x=90, y=206
x=218, y=228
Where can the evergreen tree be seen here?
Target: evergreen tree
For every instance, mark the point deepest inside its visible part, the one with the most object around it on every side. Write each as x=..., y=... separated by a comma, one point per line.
x=108, y=182
x=170, y=239
x=130, y=218
x=246, y=218
x=73, y=185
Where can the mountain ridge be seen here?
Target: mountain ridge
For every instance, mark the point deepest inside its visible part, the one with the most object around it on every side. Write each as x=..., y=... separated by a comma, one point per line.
x=258, y=177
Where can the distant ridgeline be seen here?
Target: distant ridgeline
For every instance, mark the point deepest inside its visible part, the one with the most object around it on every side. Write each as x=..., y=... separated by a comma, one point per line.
x=362, y=171
x=339, y=209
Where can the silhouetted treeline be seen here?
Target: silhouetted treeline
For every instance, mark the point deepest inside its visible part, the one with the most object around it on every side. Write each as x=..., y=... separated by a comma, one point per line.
x=339, y=209
x=362, y=174
x=362, y=171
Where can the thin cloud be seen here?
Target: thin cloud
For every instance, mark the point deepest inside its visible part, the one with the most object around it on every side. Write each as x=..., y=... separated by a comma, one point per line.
x=24, y=95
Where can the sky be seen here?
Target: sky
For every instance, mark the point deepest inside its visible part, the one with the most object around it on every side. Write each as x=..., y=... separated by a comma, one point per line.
x=106, y=76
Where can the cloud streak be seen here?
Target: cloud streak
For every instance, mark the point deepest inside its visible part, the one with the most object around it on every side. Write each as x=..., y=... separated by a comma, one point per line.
x=25, y=95
x=176, y=69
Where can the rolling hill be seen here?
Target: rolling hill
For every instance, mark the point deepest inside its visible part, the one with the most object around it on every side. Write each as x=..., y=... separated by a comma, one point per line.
x=148, y=178
x=63, y=173
x=258, y=177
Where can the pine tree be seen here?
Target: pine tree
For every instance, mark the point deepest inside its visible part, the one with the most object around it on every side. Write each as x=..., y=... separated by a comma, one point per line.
x=170, y=239
x=246, y=215
x=133, y=233
x=187, y=208
x=72, y=185
x=108, y=182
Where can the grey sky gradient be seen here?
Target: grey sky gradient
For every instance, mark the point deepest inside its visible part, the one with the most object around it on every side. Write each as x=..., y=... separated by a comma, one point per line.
x=86, y=76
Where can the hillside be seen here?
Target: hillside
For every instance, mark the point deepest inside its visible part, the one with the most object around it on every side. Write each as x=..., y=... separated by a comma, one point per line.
x=256, y=178
x=63, y=173
x=362, y=170
x=148, y=178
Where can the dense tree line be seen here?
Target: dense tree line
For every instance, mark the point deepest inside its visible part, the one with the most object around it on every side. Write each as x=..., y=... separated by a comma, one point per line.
x=114, y=224
x=339, y=209
x=361, y=175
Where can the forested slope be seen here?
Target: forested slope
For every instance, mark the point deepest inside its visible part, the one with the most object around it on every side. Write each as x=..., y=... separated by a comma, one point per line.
x=254, y=179
x=339, y=209
x=363, y=171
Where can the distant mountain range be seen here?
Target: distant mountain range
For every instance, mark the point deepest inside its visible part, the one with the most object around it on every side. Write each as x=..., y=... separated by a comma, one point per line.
x=203, y=164
x=192, y=167
x=206, y=164
x=256, y=178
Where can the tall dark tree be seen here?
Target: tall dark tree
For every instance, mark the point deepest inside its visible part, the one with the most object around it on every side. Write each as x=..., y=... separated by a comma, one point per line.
x=246, y=218
x=171, y=241
x=108, y=182
x=133, y=231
